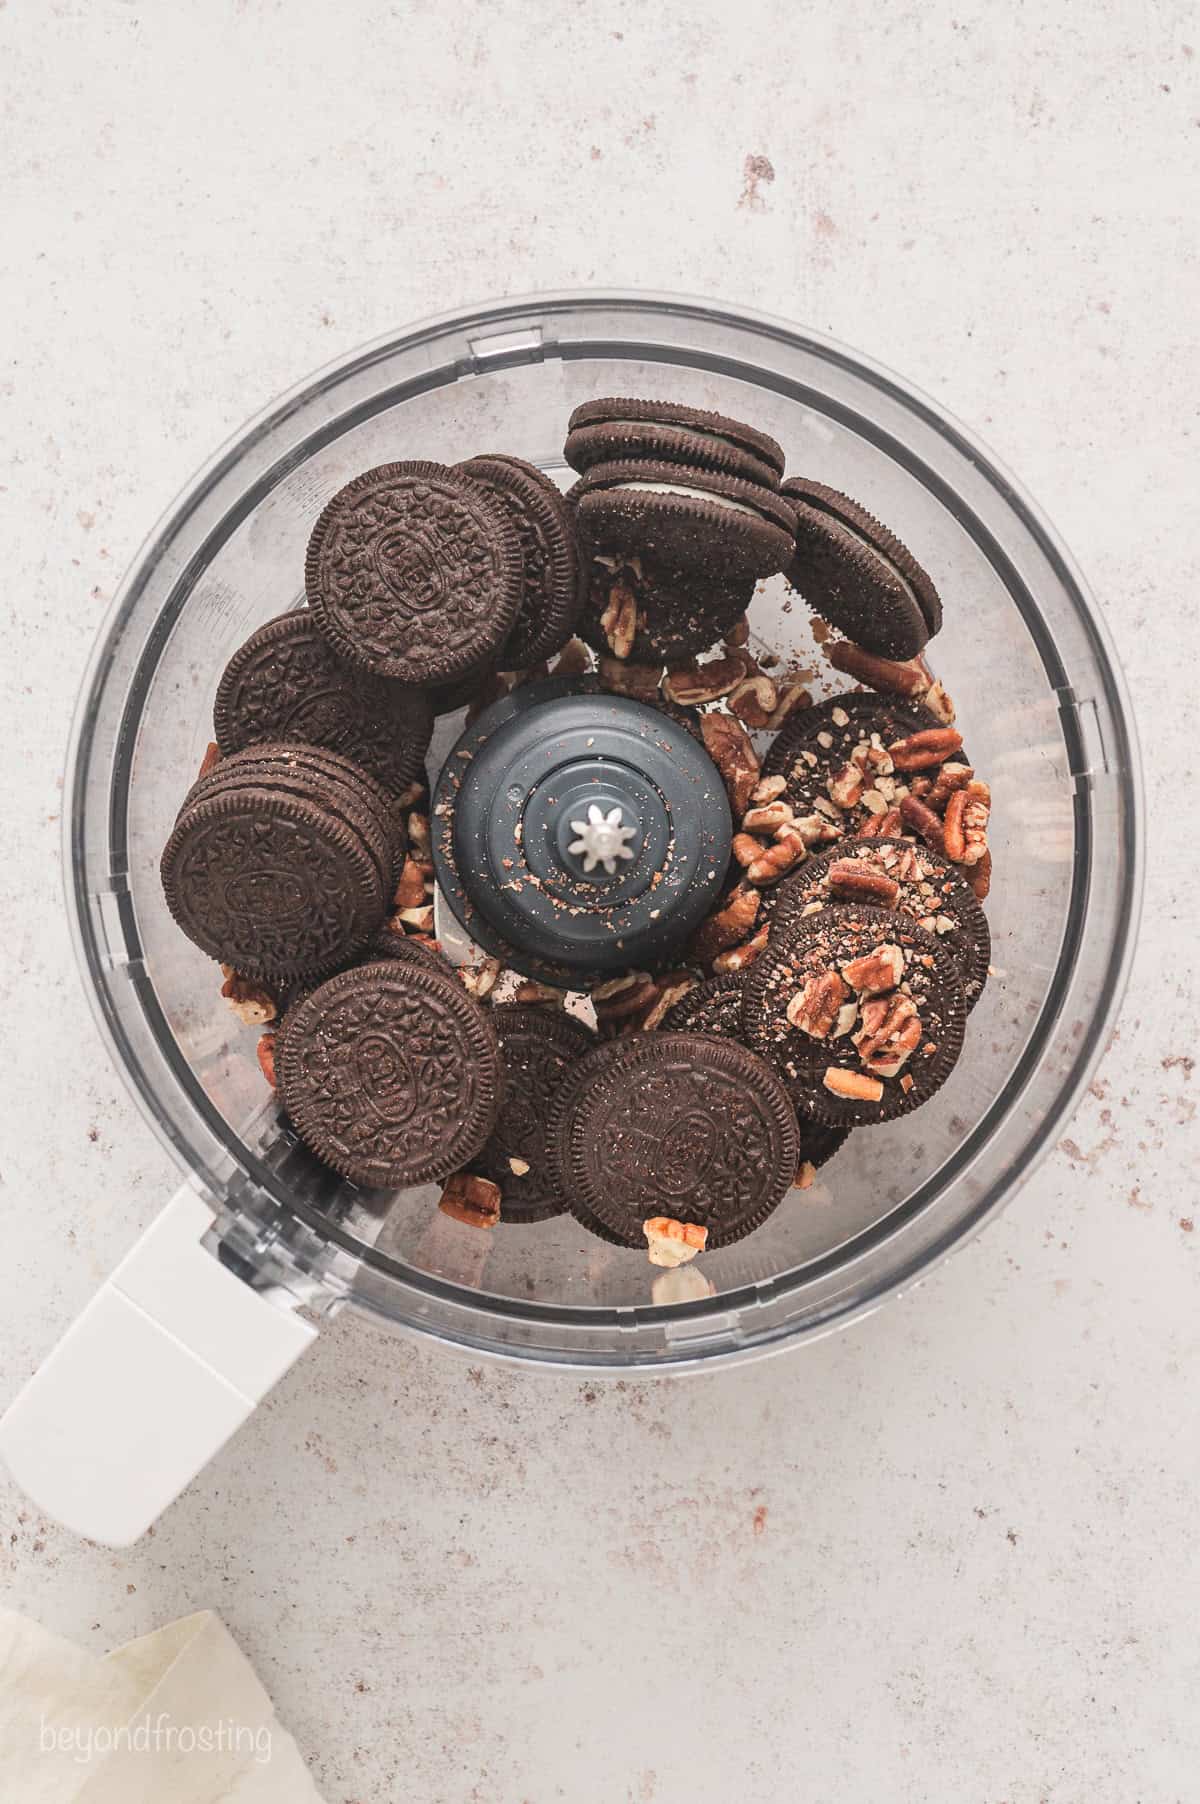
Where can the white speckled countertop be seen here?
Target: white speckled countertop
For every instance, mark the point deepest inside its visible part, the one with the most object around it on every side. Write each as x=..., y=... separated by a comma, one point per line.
x=949, y=1555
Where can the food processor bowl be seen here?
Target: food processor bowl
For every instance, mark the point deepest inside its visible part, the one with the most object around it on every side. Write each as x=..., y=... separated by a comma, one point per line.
x=1039, y=697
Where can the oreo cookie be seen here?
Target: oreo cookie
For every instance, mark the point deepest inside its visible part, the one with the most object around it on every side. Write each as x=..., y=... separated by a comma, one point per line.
x=903, y=875
x=552, y=594
x=858, y=575
x=711, y=1007
x=415, y=572
x=538, y=1047
x=390, y=1073
x=685, y=518
x=678, y=612
x=675, y=1124
x=859, y=1011
x=286, y=683
x=614, y=428
x=279, y=867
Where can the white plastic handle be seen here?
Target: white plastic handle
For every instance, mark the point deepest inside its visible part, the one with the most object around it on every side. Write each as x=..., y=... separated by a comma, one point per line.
x=163, y=1366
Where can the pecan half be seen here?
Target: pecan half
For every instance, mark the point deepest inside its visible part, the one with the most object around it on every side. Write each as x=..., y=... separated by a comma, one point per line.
x=777, y=859
x=948, y=779
x=890, y=1034
x=692, y=684
x=671, y=1242
x=981, y=877
x=739, y=958
x=921, y=751
x=855, y=1086
x=887, y=675
x=815, y=1008
x=921, y=818
x=754, y=700
x=475, y=1201
x=640, y=682
x=619, y=620
x=728, y=745
x=876, y=971
x=854, y=880
x=767, y=816
x=964, y=830
x=729, y=926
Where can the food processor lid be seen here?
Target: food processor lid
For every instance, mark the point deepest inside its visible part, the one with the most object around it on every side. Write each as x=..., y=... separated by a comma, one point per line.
x=576, y=833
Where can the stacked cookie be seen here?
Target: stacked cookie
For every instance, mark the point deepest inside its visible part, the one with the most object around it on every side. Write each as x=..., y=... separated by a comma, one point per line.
x=679, y=513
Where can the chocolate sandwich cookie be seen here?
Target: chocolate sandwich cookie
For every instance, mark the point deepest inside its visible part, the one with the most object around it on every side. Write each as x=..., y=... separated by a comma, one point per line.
x=677, y=612
x=538, y=1047
x=851, y=759
x=676, y=1124
x=617, y=427
x=281, y=875
x=685, y=518
x=346, y=792
x=857, y=575
x=415, y=572
x=859, y=1011
x=711, y=1007
x=903, y=875
x=390, y=1073
x=286, y=683
x=552, y=596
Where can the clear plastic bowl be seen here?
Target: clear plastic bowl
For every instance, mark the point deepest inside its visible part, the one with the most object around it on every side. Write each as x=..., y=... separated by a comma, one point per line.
x=1040, y=700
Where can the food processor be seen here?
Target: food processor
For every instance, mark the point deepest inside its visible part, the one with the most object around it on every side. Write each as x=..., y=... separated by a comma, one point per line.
x=262, y=1244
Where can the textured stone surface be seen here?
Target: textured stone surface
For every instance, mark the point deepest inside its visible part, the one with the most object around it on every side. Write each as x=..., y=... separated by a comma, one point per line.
x=949, y=1555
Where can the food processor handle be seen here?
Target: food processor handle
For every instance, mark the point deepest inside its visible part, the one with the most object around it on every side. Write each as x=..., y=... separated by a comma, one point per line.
x=163, y=1366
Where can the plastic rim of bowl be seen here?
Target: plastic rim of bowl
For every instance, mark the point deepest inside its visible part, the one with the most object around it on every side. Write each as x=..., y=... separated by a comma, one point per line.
x=264, y=1224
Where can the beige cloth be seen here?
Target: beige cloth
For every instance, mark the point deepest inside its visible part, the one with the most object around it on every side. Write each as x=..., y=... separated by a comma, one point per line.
x=178, y=1717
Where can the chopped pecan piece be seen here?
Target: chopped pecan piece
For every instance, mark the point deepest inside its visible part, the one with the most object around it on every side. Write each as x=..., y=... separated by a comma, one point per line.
x=415, y=920
x=692, y=684
x=728, y=745
x=531, y=993
x=921, y=751
x=253, y=1005
x=210, y=760
x=939, y=705
x=876, y=971
x=619, y=621
x=410, y=890
x=418, y=834
x=856, y=880
x=738, y=634
x=885, y=825
x=266, y=1057
x=669, y=990
x=729, y=926
x=754, y=700
x=889, y=1035
x=769, y=789
x=479, y=980
x=815, y=1008
x=739, y=958
x=846, y=786
x=767, y=816
x=792, y=697
x=475, y=1201
x=671, y=1242
x=855, y=1086
x=980, y=877
x=634, y=1000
